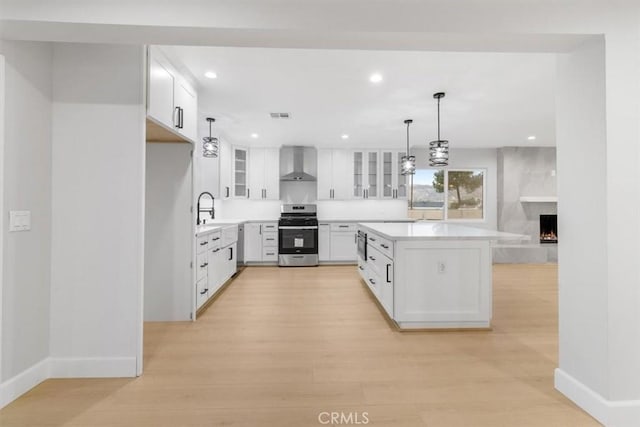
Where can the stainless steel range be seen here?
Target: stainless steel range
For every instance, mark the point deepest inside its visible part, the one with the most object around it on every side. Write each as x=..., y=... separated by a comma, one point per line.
x=298, y=236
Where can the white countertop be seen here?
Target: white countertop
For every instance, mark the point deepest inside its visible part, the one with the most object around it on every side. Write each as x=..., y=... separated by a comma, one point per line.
x=437, y=231
x=367, y=220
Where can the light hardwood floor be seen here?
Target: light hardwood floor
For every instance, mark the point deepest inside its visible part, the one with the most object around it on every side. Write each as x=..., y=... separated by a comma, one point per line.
x=282, y=345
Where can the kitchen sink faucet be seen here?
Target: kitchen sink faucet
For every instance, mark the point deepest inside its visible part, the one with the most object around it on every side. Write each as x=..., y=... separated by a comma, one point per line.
x=211, y=211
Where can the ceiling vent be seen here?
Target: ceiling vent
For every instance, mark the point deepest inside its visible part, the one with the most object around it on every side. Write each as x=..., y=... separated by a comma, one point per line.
x=279, y=115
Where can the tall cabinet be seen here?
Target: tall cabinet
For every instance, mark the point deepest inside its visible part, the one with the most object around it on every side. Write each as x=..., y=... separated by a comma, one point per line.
x=264, y=179
x=334, y=180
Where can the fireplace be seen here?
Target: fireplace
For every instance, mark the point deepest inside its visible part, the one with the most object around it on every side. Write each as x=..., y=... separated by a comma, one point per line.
x=548, y=228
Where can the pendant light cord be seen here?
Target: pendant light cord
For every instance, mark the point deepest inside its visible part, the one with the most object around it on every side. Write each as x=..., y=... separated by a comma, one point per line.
x=408, y=123
x=438, y=119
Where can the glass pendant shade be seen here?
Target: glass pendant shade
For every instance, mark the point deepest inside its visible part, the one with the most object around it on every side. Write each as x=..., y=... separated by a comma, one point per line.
x=408, y=165
x=209, y=147
x=439, y=153
x=408, y=162
x=210, y=143
x=439, y=149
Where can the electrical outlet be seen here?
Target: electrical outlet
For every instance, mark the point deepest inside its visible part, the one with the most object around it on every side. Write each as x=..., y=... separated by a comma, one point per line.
x=442, y=268
x=19, y=220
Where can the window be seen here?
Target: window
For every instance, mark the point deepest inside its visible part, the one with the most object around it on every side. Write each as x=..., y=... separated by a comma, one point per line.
x=449, y=194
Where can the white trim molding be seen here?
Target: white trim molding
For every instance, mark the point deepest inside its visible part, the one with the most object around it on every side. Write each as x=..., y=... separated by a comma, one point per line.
x=15, y=387
x=613, y=413
x=93, y=367
x=90, y=367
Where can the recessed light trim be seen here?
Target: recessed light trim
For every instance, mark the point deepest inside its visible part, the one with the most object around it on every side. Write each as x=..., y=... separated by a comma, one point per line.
x=254, y=135
x=531, y=138
x=211, y=75
x=344, y=136
x=376, y=78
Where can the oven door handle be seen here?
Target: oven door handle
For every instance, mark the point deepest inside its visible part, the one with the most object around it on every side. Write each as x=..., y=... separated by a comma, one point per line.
x=293, y=227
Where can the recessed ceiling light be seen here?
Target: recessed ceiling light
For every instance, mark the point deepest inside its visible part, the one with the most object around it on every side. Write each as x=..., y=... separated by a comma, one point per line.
x=375, y=78
x=254, y=135
x=531, y=138
x=345, y=136
x=210, y=75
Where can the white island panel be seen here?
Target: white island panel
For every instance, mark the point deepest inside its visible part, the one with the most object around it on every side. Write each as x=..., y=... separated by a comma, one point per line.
x=443, y=284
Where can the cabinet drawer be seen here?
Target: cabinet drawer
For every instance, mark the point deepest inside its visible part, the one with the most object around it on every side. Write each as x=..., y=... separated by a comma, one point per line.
x=380, y=243
x=215, y=240
x=270, y=254
x=270, y=239
x=202, y=293
x=202, y=262
x=343, y=226
x=381, y=264
x=202, y=243
x=269, y=226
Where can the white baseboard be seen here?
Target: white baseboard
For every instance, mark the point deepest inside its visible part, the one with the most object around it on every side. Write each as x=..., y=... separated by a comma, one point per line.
x=115, y=367
x=15, y=387
x=612, y=413
x=93, y=367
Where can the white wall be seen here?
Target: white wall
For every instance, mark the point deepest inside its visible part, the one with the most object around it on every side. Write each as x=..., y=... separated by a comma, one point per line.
x=582, y=273
x=27, y=186
x=168, y=286
x=464, y=158
x=98, y=218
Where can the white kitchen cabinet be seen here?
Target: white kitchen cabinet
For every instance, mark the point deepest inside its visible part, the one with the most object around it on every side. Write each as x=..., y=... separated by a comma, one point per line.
x=324, y=242
x=240, y=162
x=393, y=185
x=187, y=101
x=333, y=179
x=264, y=173
x=224, y=158
x=343, y=242
x=171, y=101
x=261, y=242
x=365, y=166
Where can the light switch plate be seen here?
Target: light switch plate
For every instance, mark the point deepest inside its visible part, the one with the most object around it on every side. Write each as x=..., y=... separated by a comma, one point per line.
x=19, y=220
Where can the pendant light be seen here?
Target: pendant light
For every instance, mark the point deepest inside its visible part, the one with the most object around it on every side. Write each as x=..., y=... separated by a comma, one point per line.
x=439, y=149
x=209, y=143
x=408, y=163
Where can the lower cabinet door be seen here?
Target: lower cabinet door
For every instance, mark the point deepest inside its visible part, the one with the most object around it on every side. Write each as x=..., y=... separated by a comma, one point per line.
x=202, y=292
x=216, y=278
x=344, y=246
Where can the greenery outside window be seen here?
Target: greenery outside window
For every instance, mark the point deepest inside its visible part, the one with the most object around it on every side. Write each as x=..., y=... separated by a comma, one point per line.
x=451, y=194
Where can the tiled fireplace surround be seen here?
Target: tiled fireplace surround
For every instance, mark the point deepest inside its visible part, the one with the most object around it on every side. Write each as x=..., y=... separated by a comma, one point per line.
x=526, y=189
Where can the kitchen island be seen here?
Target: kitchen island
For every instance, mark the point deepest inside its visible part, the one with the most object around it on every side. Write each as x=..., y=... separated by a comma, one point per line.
x=430, y=275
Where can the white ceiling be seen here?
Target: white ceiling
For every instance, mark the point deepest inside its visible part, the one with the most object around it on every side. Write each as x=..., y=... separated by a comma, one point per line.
x=492, y=99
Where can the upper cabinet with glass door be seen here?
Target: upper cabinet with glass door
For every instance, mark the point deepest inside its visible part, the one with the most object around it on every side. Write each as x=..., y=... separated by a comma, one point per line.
x=366, y=167
x=394, y=184
x=240, y=161
x=376, y=174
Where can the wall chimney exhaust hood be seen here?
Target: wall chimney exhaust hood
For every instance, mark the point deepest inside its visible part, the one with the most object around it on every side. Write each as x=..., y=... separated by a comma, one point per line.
x=294, y=157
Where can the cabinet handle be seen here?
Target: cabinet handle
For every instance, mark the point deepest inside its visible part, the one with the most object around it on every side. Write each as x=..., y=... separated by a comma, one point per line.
x=176, y=117
x=260, y=228
x=227, y=191
x=204, y=265
x=372, y=239
x=215, y=238
x=216, y=250
x=181, y=117
x=269, y=238
x=384, y=246
x=373, y=282
x=204, y=292
x=248, y=193
x=361, y=267
x=230, y=254
x=204, y=243
x=388, y=265
x=371, y=258
x=343, y=226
